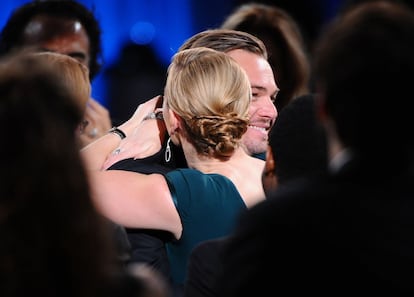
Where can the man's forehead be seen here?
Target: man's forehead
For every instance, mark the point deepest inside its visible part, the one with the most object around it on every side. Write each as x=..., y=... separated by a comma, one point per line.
x=258, y=70
x=43, y=27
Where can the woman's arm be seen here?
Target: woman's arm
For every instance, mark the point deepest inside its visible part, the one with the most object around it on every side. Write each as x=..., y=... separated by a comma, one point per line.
x=128, y=198
x=135, y=200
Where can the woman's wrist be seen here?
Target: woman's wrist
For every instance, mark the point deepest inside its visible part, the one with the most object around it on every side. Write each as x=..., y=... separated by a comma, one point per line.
x=117, y=131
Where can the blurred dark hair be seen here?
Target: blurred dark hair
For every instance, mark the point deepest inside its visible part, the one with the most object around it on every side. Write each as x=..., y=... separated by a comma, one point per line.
x=53, y=240
x=298, y=141
x=364, y=65
x=285, y=44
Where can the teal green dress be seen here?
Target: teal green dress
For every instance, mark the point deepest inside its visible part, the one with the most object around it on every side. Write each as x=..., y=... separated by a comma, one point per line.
x=208, y=205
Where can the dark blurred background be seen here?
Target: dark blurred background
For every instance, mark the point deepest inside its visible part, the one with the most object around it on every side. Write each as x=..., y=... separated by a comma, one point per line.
x=140, y=37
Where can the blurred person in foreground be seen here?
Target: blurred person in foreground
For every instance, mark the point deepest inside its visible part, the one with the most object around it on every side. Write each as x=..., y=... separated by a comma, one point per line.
x=350, y=231
x=49, y=226
x=74, y=75
x=66, y=27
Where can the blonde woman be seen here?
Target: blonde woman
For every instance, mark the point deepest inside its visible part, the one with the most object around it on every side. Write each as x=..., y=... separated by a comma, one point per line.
x=205, y=109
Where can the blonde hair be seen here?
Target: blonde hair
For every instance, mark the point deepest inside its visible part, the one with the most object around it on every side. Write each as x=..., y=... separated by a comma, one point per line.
x=73, y=74
x=211, y=93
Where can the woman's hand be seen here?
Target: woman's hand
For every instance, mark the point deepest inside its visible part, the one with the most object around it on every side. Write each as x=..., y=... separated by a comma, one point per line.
x=146, y=137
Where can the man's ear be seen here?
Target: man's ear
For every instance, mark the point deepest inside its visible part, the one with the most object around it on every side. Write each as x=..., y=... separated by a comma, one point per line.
x=269, y=178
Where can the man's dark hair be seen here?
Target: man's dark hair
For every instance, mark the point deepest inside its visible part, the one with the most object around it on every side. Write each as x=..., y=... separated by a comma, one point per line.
x=12, y=33
x=364, y=63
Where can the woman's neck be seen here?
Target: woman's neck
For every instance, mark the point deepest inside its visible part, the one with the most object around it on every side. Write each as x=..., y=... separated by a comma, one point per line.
x=207, y=164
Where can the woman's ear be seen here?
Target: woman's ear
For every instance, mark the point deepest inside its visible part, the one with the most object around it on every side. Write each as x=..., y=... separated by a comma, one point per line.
x=174, y=121
x=174, y=124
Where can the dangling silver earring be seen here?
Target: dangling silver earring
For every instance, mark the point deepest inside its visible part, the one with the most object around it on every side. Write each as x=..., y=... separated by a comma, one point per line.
x=168, y=151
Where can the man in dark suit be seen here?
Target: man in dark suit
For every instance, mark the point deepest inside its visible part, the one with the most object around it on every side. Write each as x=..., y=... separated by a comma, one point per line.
x=350, y=232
